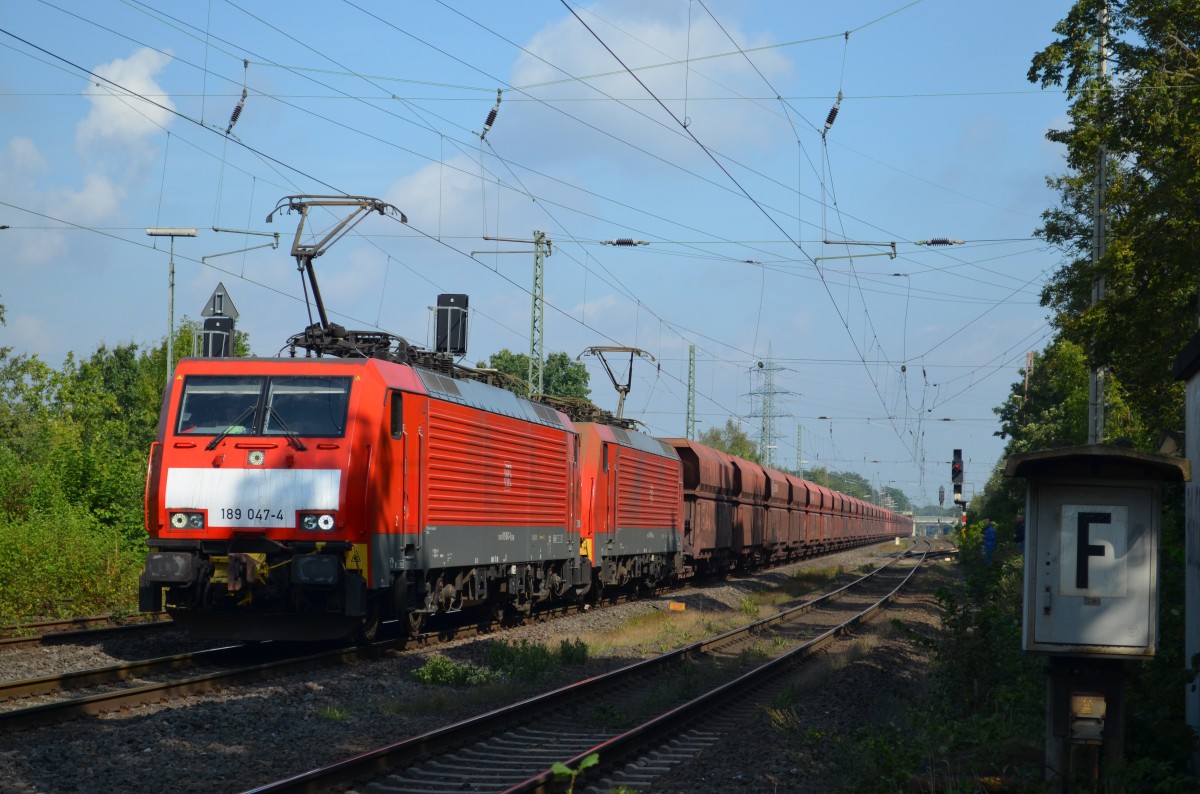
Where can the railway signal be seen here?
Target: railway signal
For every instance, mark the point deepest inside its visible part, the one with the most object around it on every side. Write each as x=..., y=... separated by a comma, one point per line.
x=956, y=476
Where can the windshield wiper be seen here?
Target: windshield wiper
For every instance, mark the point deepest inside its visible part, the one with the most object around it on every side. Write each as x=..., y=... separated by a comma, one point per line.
x=292, y=437
x=246, y=414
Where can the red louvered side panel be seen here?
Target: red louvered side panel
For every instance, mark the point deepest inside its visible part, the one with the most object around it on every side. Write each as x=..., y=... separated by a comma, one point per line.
x=649, y=491
x=486, y=469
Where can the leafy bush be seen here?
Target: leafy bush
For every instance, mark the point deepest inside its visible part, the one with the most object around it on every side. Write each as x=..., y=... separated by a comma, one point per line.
x=524, y=661
x=573, y=652
x=63, y=563
x=443, y=671
x=527, y=661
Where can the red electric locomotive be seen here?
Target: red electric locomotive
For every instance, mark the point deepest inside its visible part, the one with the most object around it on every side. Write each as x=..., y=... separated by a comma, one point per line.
x=632, y=504
x=308, y=497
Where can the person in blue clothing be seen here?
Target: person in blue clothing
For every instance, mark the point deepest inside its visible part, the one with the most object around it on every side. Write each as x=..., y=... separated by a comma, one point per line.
x=989, y=541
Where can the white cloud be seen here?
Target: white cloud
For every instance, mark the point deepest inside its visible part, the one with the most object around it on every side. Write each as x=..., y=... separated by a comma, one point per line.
x=440, y=200
x=99, y=199
x=21, y=162
x=27, y=332
x=23, y=156
x=119, y=118
x=448, y=201
x=648, y=35
x=597, y=307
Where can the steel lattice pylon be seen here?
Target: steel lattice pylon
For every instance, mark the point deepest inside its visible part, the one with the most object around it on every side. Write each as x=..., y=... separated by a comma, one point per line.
x=536, y=326
x=690, y=429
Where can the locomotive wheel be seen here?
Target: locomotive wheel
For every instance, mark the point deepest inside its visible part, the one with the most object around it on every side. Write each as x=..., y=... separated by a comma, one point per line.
x=415, y=621
x=368, y=630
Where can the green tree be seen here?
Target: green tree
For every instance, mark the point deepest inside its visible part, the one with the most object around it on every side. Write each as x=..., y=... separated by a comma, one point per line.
x=731, y=439
x=561, y=376
x=1051, y=412
x=1150, y=128
x=78, y=436
x=852, y=484
x=900, y=499
x=1143, y=123
x=73, y=447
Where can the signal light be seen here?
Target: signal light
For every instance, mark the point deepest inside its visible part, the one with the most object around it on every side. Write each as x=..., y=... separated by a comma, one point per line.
x=956, y=475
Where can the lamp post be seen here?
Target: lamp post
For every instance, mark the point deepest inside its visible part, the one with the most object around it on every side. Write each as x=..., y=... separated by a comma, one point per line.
x=171, y=232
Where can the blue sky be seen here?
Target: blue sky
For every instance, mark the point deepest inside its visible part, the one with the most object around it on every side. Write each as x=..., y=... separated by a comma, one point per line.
x=694, y=126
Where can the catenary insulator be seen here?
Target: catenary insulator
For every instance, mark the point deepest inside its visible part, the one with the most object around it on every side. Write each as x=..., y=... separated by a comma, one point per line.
x=491, y=117
x=237, y=112
x=833, y=112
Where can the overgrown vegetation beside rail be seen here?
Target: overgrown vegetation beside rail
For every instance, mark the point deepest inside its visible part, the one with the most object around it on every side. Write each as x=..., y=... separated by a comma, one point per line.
x=73, y=449
x=982, y=722
x=72, y=462
x=522, y=661
x=64, y=564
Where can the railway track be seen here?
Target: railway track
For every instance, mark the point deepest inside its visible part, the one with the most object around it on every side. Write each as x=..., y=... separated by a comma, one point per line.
x=647, y=721
x=77, y=630
x=234, y=665
x=124, y=686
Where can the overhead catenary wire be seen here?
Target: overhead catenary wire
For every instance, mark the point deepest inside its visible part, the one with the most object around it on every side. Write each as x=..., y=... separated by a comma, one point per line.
x=506, y=184
x=730, y=176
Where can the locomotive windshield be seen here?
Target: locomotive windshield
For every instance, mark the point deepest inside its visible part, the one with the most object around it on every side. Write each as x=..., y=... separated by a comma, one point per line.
x=264, y=406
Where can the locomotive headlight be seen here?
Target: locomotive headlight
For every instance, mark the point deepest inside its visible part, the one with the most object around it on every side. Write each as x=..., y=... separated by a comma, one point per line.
x=187, y=520
x=317, y=522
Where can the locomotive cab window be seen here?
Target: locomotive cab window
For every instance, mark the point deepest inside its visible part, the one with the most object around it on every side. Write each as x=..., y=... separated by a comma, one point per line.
x=397, y=414
x=257, y=405
x=307, y=406
x=218, y=404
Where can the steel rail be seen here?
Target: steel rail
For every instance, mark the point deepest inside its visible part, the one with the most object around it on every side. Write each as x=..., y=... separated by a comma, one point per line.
x=107, y=702
x=615, y=752
x=146, y=622
x=154, y=693
x=17, y=688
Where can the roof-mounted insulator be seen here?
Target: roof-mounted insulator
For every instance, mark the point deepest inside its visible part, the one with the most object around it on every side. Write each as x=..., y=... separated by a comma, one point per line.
x=491, y=117
x=833, y=111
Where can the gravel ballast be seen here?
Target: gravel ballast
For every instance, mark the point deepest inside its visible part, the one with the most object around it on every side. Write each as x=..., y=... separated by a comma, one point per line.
x=234, y=740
